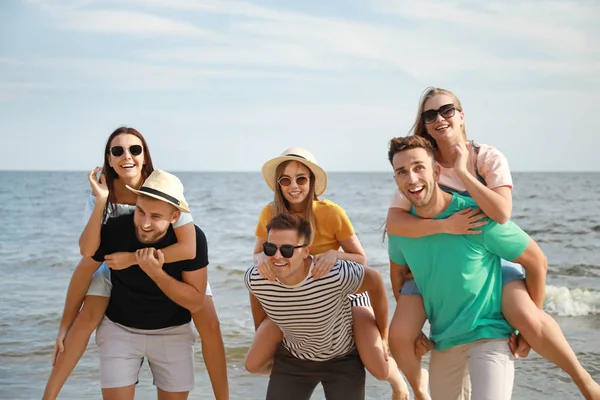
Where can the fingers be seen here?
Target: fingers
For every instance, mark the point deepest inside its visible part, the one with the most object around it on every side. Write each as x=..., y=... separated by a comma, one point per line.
x=54, y=355
x=102, y=179
x=93, y=173
x=265, y=271
x=161, y=256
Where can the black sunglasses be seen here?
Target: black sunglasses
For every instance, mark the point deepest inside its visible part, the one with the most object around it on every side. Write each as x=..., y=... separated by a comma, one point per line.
x=446, y=111
x=117, y=151
x=287, y=181
x=286, y=250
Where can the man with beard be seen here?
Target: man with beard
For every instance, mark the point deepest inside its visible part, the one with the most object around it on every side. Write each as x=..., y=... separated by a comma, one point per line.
x=150, y=304
x=460, y=279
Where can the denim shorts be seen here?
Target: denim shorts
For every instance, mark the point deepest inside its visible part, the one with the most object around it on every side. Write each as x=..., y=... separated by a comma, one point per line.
x=510, y=272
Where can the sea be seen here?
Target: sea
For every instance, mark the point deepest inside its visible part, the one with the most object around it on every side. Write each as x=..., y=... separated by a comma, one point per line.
x=41, y=219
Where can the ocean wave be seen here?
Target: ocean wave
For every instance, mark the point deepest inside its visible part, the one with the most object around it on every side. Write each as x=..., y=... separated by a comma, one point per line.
x=566, y=302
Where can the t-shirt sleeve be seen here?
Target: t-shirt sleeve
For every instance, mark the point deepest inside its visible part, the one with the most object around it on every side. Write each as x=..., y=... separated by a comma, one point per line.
x=339, y=223
x=108, y=231
x=265, y=216
x=248, y=278
x=201, y=260
x=351, y=276
x=399, y=201
x=184, y=218
x=493, y=167
x=89, y=208
x=505, y=240
x=395, y=251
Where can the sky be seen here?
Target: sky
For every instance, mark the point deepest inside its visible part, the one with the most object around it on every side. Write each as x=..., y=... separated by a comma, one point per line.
x=221, y=85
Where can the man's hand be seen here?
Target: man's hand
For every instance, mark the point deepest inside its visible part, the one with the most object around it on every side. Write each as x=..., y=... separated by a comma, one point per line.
x=120, y=260
x=323, y=263
x=423, y=345
x=150, y=260
x=518, y=345
x=59, y=346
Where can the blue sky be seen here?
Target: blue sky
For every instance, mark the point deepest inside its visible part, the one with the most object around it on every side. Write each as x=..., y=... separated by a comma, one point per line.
x=226, y=85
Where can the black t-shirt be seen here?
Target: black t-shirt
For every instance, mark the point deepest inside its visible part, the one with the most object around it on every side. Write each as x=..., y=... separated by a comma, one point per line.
x=136, y=301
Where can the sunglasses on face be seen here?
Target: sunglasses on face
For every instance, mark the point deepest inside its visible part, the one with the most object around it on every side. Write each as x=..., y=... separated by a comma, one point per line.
x=117, y=151
x=446, y=111
x=286, y=250
x=287, y=181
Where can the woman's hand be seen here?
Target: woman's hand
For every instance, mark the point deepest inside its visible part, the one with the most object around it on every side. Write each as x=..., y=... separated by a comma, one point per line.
x=462, y=157
x=120, y=260
x=264, y=269
x=323, y=263
x=465, y=221
x=99, y=187
x=59, y=346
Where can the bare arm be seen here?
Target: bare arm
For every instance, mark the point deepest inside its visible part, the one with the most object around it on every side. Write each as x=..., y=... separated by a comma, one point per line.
x=373, y=285
x=353, y=251
x=258, y=313
x=89, y=241
x=258, y=251
x=401, y=223
x=496, y=203
x=398, y=275
x=78, y=287
x=185, y=248
x=536, y=265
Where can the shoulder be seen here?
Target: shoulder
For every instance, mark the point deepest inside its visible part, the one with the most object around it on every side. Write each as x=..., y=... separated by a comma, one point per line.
x=460, y=202
x=119, y=222
x=487, y=153
x=347, y=267
x=251, y=275
x=267, y=211
x=327, y=207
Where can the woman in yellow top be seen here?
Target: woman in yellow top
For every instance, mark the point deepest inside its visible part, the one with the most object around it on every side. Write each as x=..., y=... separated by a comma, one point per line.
x=297, y=180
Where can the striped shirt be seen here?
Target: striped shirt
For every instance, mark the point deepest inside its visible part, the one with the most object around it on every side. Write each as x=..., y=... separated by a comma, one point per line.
x=315, y=316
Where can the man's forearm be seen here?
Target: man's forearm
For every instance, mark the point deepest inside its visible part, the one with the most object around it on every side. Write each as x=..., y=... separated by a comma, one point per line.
x=380, y=308
x=180, y=292
x=536, y=286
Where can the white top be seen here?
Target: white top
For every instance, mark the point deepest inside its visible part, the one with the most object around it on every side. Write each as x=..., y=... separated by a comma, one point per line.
x=315, y=316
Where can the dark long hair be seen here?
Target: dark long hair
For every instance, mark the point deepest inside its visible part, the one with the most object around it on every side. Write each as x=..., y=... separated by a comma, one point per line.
x=110, y=174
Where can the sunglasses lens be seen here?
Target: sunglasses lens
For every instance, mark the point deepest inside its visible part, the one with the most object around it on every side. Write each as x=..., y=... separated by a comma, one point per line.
x=429, y=116
x=117, y=151
x=302, y=180
x=270, y=249
x=285, y=181
x=287, y=250
x=447, y=112
x=135, y=150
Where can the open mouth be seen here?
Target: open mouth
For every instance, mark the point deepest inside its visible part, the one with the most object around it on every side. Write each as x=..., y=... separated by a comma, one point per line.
x=442, y=128
x=128, y=166
x=416, y=190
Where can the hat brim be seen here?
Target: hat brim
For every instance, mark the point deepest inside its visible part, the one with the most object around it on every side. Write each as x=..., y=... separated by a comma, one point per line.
x=182, y=206
x=269, y=171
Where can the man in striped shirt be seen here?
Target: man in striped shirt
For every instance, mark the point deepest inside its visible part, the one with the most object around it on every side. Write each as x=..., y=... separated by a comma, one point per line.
x=315, y=316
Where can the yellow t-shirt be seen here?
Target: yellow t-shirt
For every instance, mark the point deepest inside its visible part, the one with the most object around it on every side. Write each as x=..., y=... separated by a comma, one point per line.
x=332, y=225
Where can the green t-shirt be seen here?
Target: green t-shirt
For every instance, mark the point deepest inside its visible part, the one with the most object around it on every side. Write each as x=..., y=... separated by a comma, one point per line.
x=460, y=277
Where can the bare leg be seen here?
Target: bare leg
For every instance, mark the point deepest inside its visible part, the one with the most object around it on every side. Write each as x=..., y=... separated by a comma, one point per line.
x=259, y=359
x=213, y=349
x=120, y=393
x=405, y=327
x=545, y=336
x=75, y=344
x=371, y=350
x=162, y=395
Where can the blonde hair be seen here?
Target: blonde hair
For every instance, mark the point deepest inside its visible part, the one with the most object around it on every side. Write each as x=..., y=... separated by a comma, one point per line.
x=281, y=205
x=418, y=129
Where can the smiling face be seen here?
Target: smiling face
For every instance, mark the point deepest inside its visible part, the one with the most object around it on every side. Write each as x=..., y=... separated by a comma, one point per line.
x=152, y=218
x=126, y=165
x=444, y=128
x=295, y=193
x=416, y=174
x=288, y=270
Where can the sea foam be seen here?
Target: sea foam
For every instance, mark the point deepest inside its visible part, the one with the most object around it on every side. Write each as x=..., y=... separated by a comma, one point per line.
x=568, y=302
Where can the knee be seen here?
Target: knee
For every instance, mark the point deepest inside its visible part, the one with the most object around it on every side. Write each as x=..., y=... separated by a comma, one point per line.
x=380, y=370
x=529, y=321
x=252, y=365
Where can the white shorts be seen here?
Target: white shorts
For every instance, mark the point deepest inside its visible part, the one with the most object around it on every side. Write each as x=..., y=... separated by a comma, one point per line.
x=170, y=354
x=102, y=286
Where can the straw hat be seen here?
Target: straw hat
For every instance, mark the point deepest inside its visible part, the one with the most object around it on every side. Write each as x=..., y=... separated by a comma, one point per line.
x=269, y=169
x=164, y=186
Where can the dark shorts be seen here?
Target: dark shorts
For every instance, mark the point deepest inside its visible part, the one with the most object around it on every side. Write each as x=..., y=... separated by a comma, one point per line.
x=343, y=378
x=510, y=272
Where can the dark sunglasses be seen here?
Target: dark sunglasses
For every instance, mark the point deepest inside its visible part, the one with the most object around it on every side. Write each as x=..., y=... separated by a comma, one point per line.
x=446, y=111
x=117, y=151
x=286, y=250
x=287, y=181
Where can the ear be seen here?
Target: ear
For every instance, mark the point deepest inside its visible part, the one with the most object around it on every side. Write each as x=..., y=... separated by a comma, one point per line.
x=175, y=216
x=436, y=171
x=306, y=251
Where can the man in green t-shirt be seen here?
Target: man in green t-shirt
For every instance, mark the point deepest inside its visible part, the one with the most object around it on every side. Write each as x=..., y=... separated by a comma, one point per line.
x=460, y=279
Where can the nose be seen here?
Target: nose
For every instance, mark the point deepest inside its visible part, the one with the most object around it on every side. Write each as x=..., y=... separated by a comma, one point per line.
x=439, y=117
x=412, y=177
